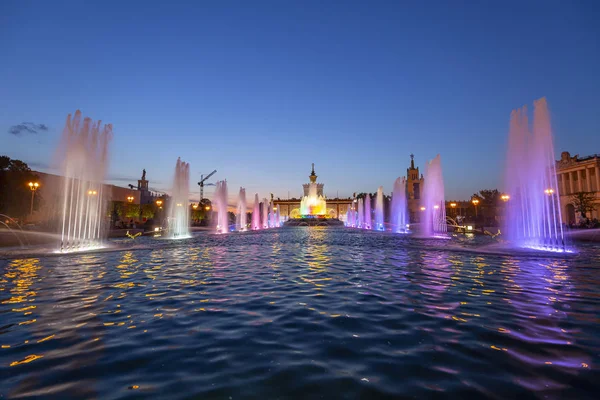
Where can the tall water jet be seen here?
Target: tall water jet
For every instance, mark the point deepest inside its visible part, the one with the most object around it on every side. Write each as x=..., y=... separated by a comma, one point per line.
x=265, y=213
x=368, y=212
x=361, y=214
x=83, y=152
x=399, y=215
x=221, y=203
x=379, y=210
x=433, y=221
x=533, y=212
x=277, y=218
x=256, y=223
x=351, y=216
x=240, y=220
x=179, y=213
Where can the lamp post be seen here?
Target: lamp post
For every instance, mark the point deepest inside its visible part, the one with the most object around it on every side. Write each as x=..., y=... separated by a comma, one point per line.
x=130, y=199
x=453, y=206
x=33, y=186
x=475, y=202
x=505, y=198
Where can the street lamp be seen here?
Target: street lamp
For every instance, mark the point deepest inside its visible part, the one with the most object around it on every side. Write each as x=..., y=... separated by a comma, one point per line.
x=422, y=208
x=92, y=193
x=195, y=206
x=549, y=192
x=33, y=186
x=453, y=206
x=475, y=202
x=159, y=203
x=207, y=208
x=130, y=199
x=505, y=198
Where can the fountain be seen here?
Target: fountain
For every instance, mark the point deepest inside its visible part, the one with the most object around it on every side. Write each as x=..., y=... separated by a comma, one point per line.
x=277, y=218
x=313, y=204
x=84, y=154
x=533, y=212
x=221, y=203
x=179, y=213
x=433, y=222
x=256, y=214
x=240, y=220
x=399, y=218
x=368, y=222
x=351, y=216
x=379, y=210
x=361, y=214
x=265, y=213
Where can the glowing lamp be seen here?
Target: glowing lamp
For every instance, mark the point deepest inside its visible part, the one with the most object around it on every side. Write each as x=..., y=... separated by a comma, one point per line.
x=475, y=201
x=469, y=227
x=453, y=205
x=549, y=191
x=422, y=208
x=436, y=206
x=505, y=197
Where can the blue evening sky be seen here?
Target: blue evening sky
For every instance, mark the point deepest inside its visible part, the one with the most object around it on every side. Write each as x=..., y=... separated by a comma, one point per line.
x=260, y=89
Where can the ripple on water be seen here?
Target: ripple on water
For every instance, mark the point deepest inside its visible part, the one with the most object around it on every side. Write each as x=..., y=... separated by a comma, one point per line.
x=299, y=313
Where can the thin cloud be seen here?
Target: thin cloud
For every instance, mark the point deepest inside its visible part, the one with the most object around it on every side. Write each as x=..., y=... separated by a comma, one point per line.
x=27, y=128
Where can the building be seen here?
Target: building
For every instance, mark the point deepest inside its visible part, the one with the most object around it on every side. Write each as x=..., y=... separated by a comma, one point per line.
x=51, y=190
x=414, y=189
x=290, y=208
x=575, y=175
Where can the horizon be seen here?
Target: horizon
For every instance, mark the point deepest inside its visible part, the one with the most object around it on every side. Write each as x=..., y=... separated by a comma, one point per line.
x=259, y=92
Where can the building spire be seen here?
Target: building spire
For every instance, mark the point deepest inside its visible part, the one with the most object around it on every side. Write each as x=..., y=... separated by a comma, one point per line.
x=412, y=161
x=313, y=176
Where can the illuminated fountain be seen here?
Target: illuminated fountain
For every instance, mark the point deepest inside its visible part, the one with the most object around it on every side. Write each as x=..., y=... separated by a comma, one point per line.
x=379, y=210
x=221, y=204
x=265, y=214
x=277, y=218
x=313, y=204
x=399, y=215
x=240, y=220
x=361, y=214
x=179, y=213
x=533, y=211
x=256, y=214
x=433, y=223
x=83, y=152
x=368, y=222
x=351, y=216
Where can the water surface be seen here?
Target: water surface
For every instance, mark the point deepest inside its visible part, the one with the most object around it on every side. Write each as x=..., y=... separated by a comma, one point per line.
x=300, y=313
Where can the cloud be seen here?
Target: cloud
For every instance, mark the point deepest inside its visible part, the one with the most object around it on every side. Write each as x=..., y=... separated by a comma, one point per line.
x=27, y=127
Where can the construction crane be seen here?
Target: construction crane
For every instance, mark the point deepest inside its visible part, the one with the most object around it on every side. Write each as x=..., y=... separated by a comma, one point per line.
x=201, y=183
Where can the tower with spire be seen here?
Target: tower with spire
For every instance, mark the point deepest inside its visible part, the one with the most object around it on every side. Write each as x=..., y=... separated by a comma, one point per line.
x=414, y=180
x=313, y=181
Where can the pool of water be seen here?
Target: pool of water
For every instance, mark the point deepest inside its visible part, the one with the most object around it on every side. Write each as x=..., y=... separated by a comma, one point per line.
x=300, y=313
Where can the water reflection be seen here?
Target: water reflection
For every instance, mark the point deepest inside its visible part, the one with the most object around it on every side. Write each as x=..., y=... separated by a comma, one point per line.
x=311, y=311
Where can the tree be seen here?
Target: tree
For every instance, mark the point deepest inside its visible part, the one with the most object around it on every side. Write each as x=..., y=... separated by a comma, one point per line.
x=583, y=202
x=488, y=203
x=15, y=195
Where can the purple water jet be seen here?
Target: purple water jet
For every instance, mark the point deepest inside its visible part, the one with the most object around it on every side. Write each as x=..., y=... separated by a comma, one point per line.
x=240, y=220
x=256, y=214
x=379, y=210
x=433, y=221
x=399, y=214
x=533, y=212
